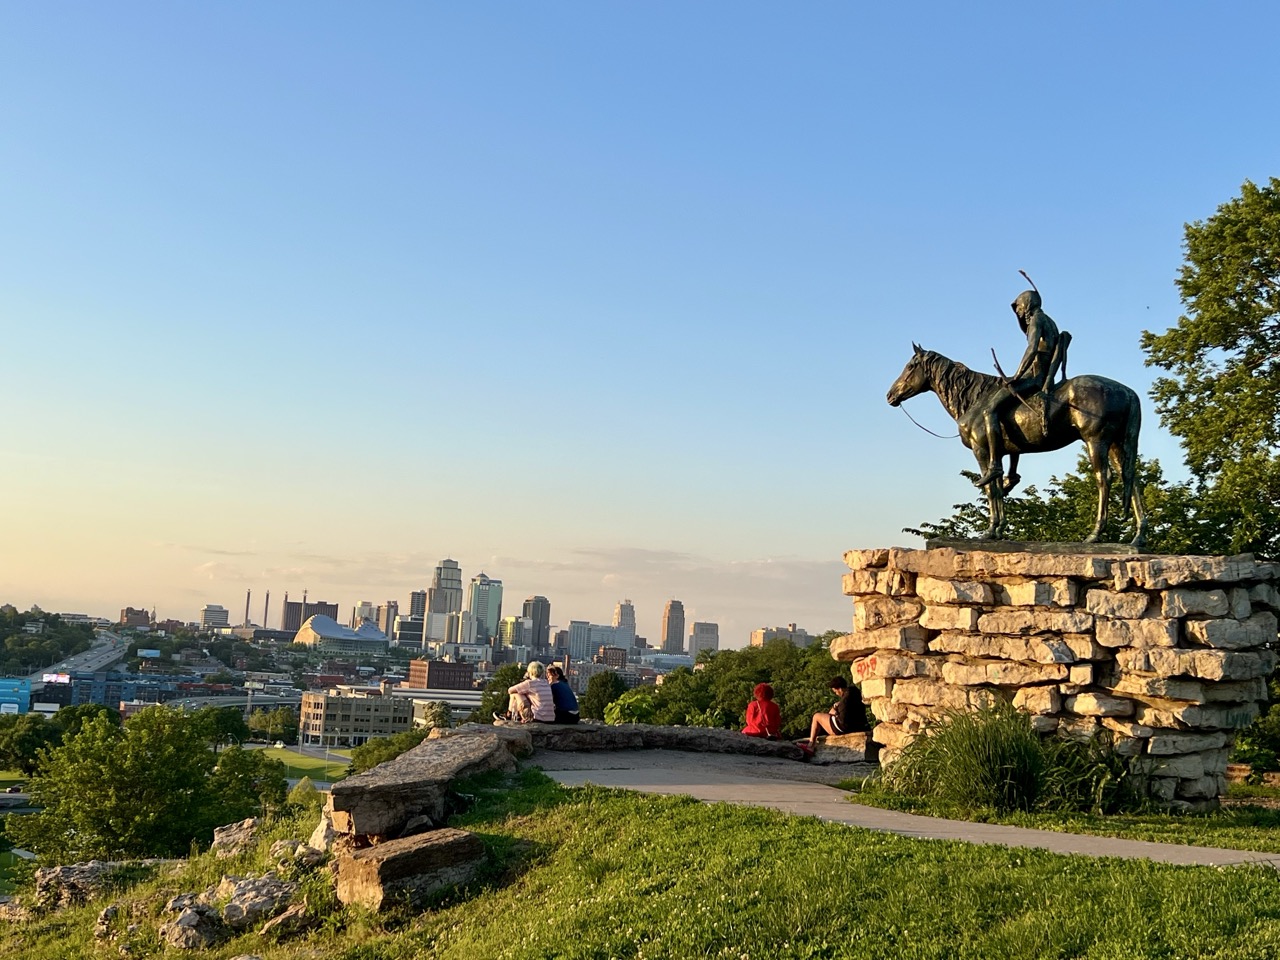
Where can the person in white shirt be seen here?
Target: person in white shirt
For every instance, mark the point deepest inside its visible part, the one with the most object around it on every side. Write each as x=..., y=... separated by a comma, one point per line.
x=530, y=699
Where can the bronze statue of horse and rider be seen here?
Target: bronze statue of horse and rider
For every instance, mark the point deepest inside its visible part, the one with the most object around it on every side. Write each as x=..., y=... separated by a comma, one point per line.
x=1035, y=411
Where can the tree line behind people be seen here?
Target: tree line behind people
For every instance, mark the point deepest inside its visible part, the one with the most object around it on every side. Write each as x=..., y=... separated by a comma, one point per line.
x=716, y=694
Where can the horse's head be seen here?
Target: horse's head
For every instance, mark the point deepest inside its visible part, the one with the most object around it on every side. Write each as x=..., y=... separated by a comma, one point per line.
x=913, y=380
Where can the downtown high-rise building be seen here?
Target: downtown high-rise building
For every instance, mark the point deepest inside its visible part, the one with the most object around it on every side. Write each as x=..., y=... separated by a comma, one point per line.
x=538, y=611
x=445, y=594
x=673, y=627
x=418, y=603
x=385, y=615
x=703, y=636
x=484, y=603
x=624, y=622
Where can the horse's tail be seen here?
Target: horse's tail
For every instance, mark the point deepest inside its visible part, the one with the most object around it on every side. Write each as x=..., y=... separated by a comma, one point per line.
x=1129, y=458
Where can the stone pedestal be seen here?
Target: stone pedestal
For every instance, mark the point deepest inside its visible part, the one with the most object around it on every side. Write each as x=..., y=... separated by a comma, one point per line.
x=1169, y=654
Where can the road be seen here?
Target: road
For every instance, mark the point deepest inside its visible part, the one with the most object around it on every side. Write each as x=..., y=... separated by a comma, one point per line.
x=107, y=649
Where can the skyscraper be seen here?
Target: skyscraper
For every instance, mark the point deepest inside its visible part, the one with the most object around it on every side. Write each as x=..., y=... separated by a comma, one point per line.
x=673, y=627
x=445, y=595
x=538, y=610
x=386, y=614
x=703, y=636
x=418, y=603
x=624, y=619
x=484, y=602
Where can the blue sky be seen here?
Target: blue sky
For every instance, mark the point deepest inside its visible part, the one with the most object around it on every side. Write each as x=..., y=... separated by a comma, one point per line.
x=600, y=298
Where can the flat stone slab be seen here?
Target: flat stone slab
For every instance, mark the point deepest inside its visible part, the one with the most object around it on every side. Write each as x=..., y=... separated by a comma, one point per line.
x=408, y=870
x=573, y=738
x=845, y=748
x=382, y=802
x=1117, y=551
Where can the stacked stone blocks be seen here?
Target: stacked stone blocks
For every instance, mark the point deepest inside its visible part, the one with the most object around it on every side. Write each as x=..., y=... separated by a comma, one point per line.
x=1169, y=654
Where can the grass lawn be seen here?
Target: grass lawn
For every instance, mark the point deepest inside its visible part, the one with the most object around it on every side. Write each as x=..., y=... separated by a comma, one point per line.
x=595, y=873
x=1234, y=827
x=299, y=765
x=9, y=778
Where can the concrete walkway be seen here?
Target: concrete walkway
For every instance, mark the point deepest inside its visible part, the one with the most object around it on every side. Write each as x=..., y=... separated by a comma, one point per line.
x=790, y=787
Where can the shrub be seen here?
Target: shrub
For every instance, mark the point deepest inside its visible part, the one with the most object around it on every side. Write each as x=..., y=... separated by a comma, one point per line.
x=993, y=759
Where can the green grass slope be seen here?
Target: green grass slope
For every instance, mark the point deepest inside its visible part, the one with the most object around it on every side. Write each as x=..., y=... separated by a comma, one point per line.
x=593, y=873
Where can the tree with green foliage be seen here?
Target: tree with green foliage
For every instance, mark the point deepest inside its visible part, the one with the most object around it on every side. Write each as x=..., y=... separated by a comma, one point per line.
x=280, y=723
x=70, y=719
x=22, y=738
x=1179, y=521
x=1222, y=395
x=381, y=749
x=494, y=699
x=221, y=725
x=602, y=690
x=147, y=789
x=717, y=694
x=244, y=782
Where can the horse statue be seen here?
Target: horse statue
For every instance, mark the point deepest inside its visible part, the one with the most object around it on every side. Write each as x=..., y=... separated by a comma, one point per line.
x=1101, y=413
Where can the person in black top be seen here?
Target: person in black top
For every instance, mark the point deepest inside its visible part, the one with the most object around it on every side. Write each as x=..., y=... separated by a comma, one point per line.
x=562, y=694
x=845, y=716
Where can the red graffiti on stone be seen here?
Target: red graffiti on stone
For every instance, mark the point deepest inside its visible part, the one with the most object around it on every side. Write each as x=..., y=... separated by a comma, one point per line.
x=864, y=668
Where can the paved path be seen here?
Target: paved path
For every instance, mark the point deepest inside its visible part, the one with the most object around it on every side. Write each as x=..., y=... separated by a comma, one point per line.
x=720, y=778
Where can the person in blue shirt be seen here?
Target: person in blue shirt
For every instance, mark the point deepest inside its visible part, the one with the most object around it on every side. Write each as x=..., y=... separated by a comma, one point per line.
x=562, y=695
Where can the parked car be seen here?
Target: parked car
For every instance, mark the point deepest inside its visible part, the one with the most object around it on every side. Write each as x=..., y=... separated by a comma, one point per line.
x=16, y=788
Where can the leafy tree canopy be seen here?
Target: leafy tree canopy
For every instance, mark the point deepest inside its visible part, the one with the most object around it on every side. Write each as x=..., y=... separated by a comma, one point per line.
x=494, y=699
x=149, y=788
x=602, y=690
x=717, y=694
x=1179, y=520
x=1222, y=395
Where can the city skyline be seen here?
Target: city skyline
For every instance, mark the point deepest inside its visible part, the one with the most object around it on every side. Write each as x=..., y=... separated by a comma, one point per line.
x=656, y=265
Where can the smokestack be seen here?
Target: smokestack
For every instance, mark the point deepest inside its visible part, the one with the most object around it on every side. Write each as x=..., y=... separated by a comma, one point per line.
x=247, y=595
x=265, y=607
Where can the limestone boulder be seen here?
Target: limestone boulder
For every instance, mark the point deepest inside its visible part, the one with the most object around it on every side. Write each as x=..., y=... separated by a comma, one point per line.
x=1149, y=632
x=1017, y=622
x=950, y=592
x=1119, y=606
x=408, y=870
x=865, y=559
x=1160, y=573
x=871, y=613
x=889, y=583
x=1057, y=592
x=1099, y=705
x=845, y=748
x=1038, y=700
x=1181, y=601
x=381, y=802
x=249, y=900
x=234, y=838
x=1169, y=744
x=1002, y=673
x=910, y=638
x=1229, y=634
x=950, y=618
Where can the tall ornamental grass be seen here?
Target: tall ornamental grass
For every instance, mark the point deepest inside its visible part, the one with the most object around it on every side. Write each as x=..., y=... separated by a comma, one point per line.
x=993, y=759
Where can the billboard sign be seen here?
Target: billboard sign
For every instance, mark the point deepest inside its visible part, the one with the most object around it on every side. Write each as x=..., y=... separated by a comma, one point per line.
x=149, y=654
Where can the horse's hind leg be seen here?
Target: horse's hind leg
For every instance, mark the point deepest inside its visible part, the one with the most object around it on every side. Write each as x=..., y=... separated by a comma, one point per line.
x=1133, y=502
x=1097, y=451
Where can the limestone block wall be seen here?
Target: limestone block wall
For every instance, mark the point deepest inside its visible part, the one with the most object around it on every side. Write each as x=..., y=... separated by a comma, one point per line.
x=1169, y=653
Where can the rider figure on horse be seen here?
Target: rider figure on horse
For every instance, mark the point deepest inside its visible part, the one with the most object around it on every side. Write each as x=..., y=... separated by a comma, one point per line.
x=1045, y=355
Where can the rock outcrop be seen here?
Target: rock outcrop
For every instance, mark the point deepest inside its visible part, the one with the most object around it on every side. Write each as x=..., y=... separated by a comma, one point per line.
x=1169, y=654
x=409, y=870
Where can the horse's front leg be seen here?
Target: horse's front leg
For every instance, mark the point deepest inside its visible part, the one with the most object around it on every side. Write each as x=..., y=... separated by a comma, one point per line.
x=1102, y=474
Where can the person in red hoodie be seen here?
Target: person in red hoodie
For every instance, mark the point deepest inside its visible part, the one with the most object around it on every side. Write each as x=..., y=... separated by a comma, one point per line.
x=764, y=719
